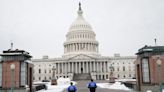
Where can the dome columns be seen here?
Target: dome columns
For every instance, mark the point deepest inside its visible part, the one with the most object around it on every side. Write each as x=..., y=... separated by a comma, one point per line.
x=80, y=47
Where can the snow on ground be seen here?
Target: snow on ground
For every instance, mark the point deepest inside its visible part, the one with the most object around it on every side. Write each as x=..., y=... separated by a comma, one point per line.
x=124, y=80
x=62, y=83
x=116, y=85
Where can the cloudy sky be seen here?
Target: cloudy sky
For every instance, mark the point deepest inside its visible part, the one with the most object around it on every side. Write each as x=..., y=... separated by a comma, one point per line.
x=121, y=26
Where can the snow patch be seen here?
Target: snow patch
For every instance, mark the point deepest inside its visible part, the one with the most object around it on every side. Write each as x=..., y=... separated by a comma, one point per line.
x=116, y=85
x=62, y=83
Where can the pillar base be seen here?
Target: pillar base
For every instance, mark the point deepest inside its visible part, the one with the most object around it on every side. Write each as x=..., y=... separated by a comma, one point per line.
x=111, y=79
x=53, y=82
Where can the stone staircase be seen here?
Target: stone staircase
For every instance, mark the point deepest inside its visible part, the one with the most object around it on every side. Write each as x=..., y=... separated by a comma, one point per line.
x=82, y=76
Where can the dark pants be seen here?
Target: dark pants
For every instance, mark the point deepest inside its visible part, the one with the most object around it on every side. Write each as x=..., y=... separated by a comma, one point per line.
x=92, y=89
x=71, y=91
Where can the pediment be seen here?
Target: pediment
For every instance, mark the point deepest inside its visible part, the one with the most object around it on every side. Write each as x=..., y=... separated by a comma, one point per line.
x=82, y=57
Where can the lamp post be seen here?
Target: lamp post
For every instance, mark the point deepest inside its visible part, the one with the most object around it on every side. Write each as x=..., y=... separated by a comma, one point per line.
x=53, y=81
x=111, y=78
x=159, y=62
x=12, y=67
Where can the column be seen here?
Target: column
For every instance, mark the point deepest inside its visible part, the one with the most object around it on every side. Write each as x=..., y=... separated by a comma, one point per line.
x=72, y=67
x=88, y=46
x=75, y=67
x=80, y=46
x=77, y=46
x=86, y=67
x=101, y=67
x=62, y=67
x=65, y=48
x=98, y=67
x=73, y=46
x=85, y=47
x=104, y=67
x=90, y=66
x=58, y=68
x=68, y=66
x=91, y=47
x=79, y=67
x=83, y=67
x=94, y=63
x=70, y=48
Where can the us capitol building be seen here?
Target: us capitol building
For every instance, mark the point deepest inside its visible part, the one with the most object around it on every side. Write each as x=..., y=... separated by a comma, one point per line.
x=81, y=58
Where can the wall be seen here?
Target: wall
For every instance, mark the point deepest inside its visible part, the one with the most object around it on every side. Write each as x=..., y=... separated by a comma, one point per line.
x=6, y=74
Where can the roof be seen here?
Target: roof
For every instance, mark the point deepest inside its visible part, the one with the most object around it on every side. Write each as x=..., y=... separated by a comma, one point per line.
x=151, y=49
x=15, y=53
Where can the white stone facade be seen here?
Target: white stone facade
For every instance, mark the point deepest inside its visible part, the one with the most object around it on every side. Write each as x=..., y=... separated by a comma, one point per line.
x=81, y=55
x=124, y=67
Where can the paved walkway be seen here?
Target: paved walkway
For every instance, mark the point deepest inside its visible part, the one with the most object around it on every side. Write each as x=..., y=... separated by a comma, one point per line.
x=82, y=87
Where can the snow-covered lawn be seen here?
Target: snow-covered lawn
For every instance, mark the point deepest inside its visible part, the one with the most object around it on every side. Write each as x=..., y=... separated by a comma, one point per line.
x=62, y=84
x=116, y=85
x=55, y=88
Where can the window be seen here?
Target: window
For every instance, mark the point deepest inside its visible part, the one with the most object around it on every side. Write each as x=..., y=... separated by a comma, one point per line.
x=45, y=71
x=49, y=71
x=145, y=70
x=123, y=68
x=118, y=75
x=129, y=68
x=39, y=78
x=118, y=69
x=106, y=76
x=23, y=74
x=39, y=70
x=130, y=75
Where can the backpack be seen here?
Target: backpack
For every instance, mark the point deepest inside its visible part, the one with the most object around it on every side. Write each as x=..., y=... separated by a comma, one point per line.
x=92, y=84
x=72, y=88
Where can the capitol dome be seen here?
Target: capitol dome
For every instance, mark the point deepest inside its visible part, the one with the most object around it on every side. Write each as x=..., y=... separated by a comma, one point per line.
x=80, y=38
x=80, y=23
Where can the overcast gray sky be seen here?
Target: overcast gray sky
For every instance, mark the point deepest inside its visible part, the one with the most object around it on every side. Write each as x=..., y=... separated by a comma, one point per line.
x=121, y=26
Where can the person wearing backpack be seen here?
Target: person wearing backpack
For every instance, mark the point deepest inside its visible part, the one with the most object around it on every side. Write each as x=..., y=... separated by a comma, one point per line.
x=92, y=86
x=72, y=88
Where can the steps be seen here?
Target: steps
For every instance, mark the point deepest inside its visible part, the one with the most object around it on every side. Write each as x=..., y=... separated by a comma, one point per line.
x=82, y=76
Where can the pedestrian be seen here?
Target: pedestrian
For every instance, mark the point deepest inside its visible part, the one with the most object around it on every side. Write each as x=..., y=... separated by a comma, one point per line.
x=92, y=86
x=72, y=88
